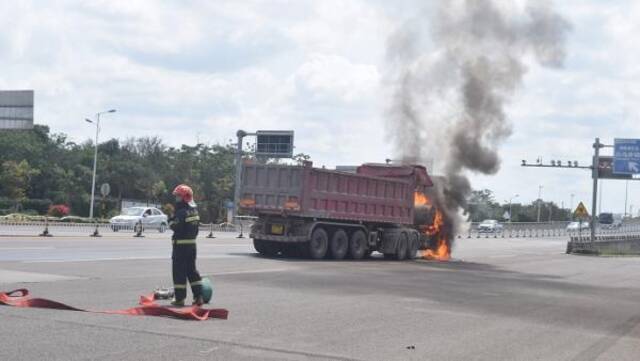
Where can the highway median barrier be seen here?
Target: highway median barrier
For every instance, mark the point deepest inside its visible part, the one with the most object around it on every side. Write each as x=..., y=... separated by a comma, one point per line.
x=138, y=229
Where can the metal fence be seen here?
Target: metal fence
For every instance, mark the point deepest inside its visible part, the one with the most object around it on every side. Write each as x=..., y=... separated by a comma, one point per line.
x=55, y=228
x=507, y=230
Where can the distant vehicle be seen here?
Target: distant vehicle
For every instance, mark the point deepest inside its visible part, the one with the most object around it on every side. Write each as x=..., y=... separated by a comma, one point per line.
x=490, y=226
x=150, y=217
x=576, y=226
x=610, y=220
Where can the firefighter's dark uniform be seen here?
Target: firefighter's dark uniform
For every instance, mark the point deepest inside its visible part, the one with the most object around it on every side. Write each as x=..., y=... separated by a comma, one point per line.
x=185, y=230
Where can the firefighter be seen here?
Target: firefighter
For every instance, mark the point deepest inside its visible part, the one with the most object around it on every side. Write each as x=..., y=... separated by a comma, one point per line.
x=185, y=224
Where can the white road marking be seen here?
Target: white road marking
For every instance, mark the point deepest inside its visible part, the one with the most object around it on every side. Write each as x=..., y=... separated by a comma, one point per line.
x=23, y=248
x=9, y=276
x=282, y=269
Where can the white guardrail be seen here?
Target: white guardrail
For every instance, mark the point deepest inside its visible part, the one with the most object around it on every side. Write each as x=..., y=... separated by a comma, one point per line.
x=54, y=228
x=549, y=229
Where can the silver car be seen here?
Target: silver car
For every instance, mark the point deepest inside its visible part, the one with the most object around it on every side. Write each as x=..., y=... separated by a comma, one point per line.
x=577, y=226
x=149, y=217
x=489, y=226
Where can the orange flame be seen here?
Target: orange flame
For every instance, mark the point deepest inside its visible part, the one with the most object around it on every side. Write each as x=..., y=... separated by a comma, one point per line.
x=421, y=199
x=442, y=251
x=438, y=222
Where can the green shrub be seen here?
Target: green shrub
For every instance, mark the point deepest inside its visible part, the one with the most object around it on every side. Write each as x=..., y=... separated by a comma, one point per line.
x=41, y=206
x=6, y=203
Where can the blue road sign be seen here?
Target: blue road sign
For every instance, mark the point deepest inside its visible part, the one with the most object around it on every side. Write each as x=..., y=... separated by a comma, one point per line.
x=626, y=156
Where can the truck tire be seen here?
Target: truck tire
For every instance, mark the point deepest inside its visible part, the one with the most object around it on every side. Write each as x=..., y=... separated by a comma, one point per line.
x=265, y=248
x=339, y=244
x=412, y=250
x=318, y=244
x=358, y=245
x=403, y=245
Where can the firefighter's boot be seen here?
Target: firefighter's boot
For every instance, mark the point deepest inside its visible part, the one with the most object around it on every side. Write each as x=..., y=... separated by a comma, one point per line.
x=198, y=301
x=177, y=303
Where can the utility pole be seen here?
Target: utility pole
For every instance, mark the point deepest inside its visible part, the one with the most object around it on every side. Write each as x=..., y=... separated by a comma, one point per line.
x=626, y=197
x=539, y=200
x=600, y=197
x=596, y=161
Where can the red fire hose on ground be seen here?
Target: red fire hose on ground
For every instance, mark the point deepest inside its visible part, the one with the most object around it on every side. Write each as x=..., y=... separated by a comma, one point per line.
x=147, y=307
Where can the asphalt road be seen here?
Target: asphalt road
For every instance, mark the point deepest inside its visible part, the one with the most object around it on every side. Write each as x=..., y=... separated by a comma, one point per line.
x=498, y=299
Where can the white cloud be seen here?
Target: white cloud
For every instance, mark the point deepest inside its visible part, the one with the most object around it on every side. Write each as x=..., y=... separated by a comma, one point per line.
x=335, y=79
x=202, y=70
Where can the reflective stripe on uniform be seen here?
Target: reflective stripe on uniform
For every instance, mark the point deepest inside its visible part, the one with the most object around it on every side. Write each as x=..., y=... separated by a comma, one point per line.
x=180, y=287
x=192, y=219
x=185, y=241
x=196, y=283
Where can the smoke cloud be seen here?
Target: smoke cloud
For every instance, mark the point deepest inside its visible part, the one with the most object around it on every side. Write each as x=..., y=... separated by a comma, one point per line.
x=452, y=80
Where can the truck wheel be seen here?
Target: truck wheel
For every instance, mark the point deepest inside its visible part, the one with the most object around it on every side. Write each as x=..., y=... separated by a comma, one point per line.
x=265, y=248
x=403, y=245
x=412, y=251
x=339, y=244
x=357, y=245
x=318, y=244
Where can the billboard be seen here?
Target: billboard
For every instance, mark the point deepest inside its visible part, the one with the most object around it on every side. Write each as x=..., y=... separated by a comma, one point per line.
x=626, y=156
x=274, y=143
x=16, y=109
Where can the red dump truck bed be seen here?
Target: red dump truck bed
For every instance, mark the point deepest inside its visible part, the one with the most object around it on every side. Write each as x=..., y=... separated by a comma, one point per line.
x=376, y=193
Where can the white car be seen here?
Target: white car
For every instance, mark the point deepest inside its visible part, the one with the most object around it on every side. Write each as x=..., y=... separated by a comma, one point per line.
x=150, y=217
x=489, y=226
x=576, y=226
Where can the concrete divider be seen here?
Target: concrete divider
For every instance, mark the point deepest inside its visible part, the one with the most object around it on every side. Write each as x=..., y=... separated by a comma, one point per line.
x=605, y=245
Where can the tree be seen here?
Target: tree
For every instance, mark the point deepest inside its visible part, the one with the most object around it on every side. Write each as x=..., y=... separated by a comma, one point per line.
x=158, y=190
x=15, y=178
x=300, y=158
x=482, y=206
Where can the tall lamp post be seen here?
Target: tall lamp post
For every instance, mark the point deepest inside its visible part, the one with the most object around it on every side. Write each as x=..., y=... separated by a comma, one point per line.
x=571, y=206
x=539, y=200
x=95, y=158
x=510, y=200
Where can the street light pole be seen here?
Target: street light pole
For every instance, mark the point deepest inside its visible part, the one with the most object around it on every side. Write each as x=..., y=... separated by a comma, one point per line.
x=539, y=200
x=95, y=159
x=238, y=178
x=511, y=199
x=571, y=204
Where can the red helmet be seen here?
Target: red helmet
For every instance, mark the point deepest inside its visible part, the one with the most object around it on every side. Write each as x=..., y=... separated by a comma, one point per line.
x=185, y=192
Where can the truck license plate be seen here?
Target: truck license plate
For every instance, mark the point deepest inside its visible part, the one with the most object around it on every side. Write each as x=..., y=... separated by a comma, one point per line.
x=277, y=229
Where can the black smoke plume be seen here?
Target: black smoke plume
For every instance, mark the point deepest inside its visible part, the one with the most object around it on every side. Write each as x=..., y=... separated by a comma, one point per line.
x=451, y=81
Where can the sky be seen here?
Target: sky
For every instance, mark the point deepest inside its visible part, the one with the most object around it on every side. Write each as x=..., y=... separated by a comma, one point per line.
x=197, y=71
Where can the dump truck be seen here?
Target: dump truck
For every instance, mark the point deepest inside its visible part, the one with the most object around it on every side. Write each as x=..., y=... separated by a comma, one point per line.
x=322, y=213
